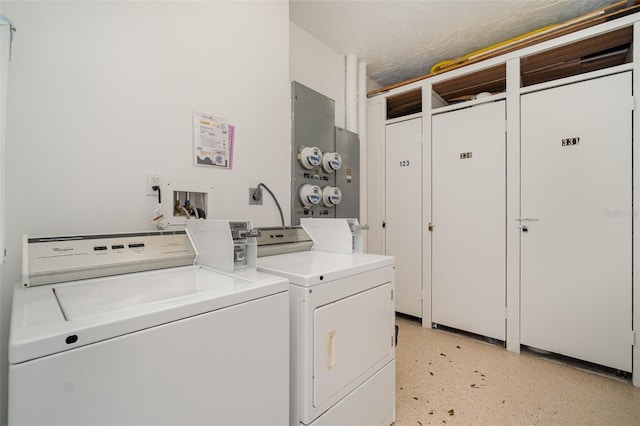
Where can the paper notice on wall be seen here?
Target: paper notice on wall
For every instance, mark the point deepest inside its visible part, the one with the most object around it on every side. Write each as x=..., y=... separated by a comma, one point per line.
x=212, y=141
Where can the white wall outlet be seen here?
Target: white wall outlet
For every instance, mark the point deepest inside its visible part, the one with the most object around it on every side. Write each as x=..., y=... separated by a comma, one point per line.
x=153, y=179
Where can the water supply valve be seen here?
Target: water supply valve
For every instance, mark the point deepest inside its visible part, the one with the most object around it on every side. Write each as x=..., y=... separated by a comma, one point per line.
x=331, y=196
x=331, y=161
x=310, y=195
x=310, y=156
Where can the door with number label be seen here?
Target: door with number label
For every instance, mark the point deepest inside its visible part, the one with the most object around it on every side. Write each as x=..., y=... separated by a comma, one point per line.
x=403, y=211
x=469, y=218
x=576, y=210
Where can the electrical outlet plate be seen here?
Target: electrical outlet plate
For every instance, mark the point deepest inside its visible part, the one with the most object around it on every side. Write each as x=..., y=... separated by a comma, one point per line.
x=153, y=179
x=253, y=202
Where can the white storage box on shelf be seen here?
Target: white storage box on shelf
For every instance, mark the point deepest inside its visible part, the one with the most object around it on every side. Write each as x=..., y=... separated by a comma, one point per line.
x=342, y=323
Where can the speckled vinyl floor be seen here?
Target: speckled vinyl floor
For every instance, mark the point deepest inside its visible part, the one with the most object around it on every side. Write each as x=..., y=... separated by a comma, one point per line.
x=447, y=378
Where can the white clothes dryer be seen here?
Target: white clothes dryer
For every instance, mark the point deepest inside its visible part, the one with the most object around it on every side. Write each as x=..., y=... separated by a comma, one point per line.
x=342, y=323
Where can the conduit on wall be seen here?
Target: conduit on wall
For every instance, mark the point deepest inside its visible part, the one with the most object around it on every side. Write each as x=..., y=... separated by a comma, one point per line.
x=362, y=100
x=6, y=38
x=362, y=132
x=356, y=119
x=351, y=88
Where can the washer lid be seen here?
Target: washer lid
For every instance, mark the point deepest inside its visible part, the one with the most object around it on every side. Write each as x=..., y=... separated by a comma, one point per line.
x=95, y=298
x=54, y=318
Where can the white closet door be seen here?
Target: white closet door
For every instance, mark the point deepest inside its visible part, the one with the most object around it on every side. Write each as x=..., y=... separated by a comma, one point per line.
x=469, y=208
x=403, y=215
x=576, y=251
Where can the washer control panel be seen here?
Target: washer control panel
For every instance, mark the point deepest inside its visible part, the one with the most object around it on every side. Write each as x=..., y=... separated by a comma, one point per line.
x=48, y=260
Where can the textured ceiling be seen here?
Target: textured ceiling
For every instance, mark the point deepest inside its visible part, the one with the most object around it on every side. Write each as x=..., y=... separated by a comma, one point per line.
x=400, y=40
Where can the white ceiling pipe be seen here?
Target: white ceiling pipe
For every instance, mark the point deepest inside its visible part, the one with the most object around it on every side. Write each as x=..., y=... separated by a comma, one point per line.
x=362, y=101
x=362, y=126
x=351, y=88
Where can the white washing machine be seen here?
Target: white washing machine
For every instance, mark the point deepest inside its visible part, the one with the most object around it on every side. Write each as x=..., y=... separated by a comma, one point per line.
x=180, y=345
x=342, y=323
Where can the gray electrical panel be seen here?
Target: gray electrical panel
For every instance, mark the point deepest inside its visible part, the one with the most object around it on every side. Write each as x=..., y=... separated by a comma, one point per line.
x=313, y=126
x=321, y=180
x=348, y=176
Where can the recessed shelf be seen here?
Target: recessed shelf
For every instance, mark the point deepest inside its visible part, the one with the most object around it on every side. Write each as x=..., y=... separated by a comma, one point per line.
x=470, y=103
x=406, y=103
x=587, y=55
x=465, y=87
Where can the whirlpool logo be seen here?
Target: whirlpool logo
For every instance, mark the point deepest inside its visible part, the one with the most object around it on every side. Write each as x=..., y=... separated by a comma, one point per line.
x=62, y=249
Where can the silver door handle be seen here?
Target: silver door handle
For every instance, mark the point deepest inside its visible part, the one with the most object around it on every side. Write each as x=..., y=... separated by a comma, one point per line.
x=527, y=219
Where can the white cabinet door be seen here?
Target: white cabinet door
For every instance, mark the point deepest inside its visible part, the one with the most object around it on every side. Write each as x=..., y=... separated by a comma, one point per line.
x=403, y=215
x=576, y=252
x=469, y=209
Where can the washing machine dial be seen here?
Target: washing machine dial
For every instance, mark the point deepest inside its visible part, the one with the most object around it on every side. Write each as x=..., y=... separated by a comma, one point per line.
x=331, y=161
x=310, y=157
x=310, y=195
x=331, y=196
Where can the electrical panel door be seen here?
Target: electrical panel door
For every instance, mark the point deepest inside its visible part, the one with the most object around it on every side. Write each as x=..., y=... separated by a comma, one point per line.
x=469, y=224
x=576, y=218
x=325, y=168
x=403, y=211
x=348, y=176
x=313, y=123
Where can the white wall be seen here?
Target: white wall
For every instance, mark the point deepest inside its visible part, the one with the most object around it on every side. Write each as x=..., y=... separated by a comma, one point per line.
x=315, y=65
x=102, y=92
